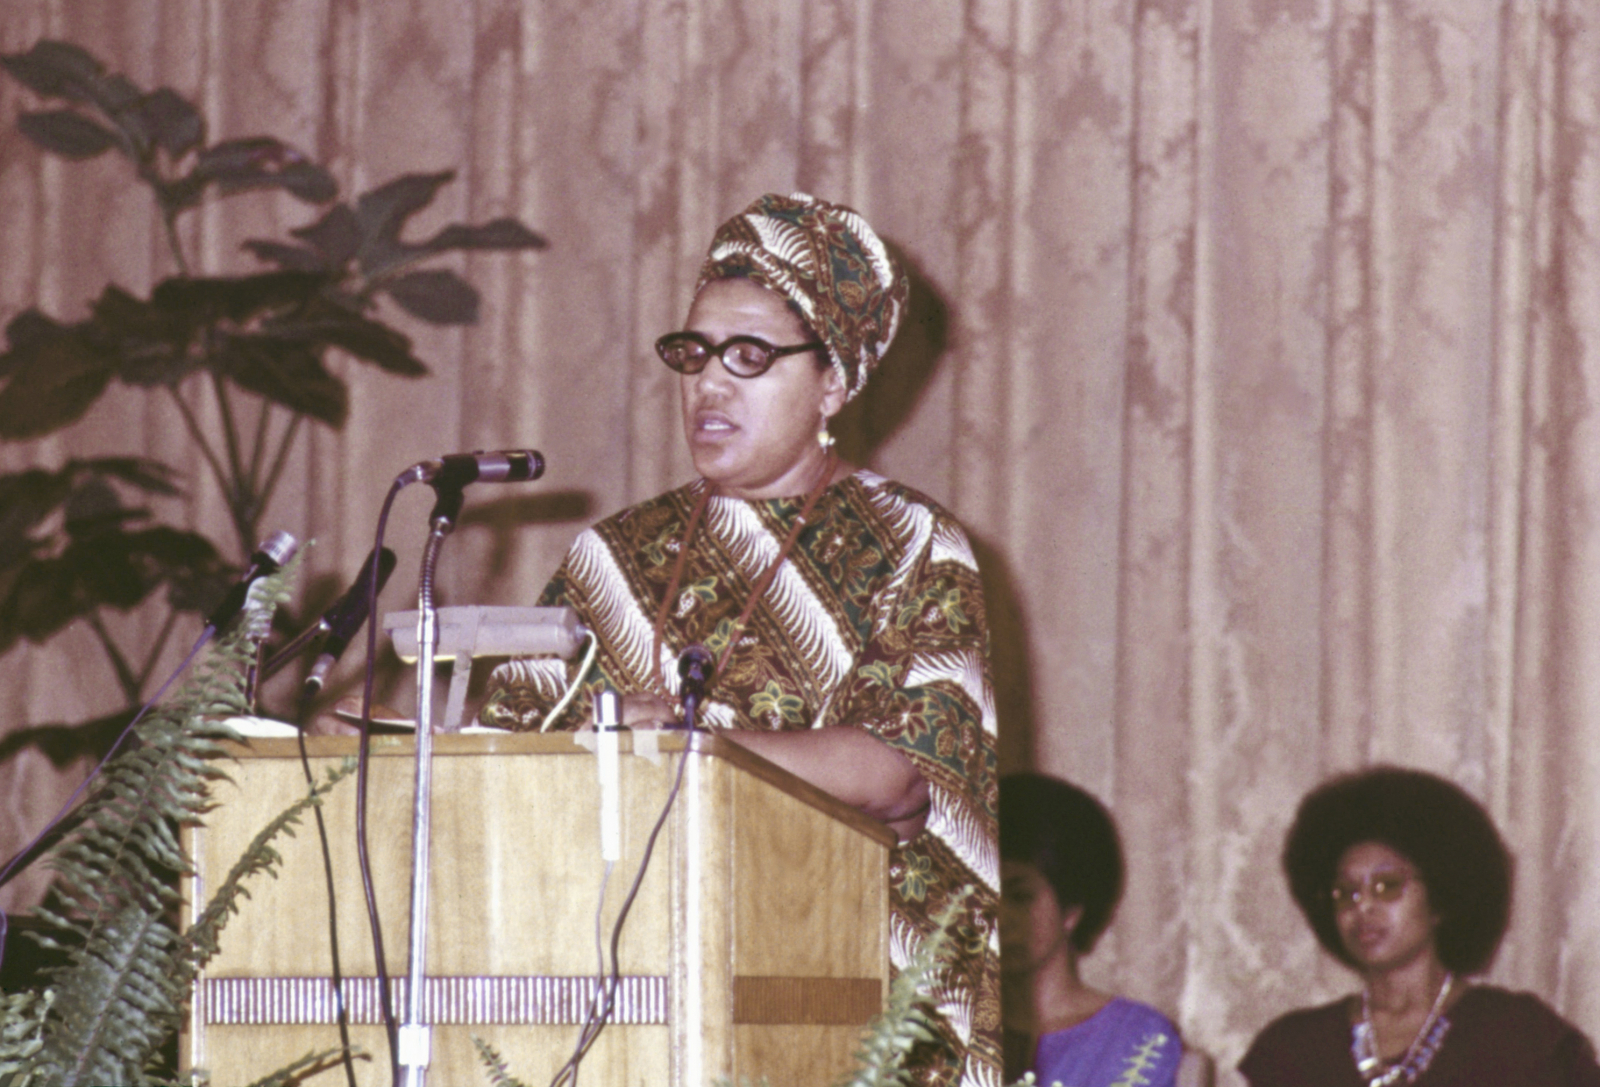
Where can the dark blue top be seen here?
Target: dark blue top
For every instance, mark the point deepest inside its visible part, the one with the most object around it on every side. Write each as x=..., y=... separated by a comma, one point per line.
x=1124, y=1044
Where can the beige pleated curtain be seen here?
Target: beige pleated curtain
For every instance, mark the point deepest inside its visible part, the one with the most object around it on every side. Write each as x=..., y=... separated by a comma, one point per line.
x=1255, y=342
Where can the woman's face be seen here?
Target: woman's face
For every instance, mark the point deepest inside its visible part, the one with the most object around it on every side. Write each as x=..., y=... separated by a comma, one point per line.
x=1034, y=929
x=756, y=437
x=1381, y=907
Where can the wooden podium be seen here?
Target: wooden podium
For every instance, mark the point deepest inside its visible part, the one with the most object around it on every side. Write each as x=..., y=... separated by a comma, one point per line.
x=757, y=946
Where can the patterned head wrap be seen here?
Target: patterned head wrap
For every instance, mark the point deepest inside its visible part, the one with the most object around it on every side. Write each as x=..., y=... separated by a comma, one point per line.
x=826, y=260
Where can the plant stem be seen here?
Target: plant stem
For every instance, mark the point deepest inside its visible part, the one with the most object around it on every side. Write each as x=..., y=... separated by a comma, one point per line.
x=169, y=219
x=242, y=505
x=193, y=426
x=131, y=684
x=280, y=458
x=155, y=650
x=258, y=447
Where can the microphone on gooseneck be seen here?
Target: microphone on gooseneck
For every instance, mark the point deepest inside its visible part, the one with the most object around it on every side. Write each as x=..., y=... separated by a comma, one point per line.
x=343, y=620
x=270, y=556
x=459, y=469
x=696, y=669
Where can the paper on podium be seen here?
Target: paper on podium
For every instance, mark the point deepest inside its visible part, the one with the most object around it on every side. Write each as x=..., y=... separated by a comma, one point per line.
x=261, y=727
x=485, y=631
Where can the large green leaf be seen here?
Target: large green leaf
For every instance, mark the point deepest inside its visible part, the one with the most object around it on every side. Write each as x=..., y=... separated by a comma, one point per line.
x=64, y=132
x=149, y=343
x=326, y=322
x=93, y=506
x=286, y=373
x=259, y=162
x=150, y=476
x=63, y=743
x=503, y=233
x=38, y=602
x=102, y=558
x=383, y=212
x=234, y=299
x=166, y=119
x=308, y=181
x=28, y=498
x=337, y=235
x=105, y=569
x=114, y=94
x=52, y=381
x=56, y=69
x=26, y=329
x=436, y=295
x=291, y=258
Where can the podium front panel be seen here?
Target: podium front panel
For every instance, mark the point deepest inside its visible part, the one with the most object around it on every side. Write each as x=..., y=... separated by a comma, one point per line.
x=757, y=944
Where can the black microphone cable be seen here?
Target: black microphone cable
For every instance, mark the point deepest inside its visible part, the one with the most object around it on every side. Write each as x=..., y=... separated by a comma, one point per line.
x=341, y=1009
x=594, y=1024
x=391, y=1027
x=341, y=621
x=447, y=475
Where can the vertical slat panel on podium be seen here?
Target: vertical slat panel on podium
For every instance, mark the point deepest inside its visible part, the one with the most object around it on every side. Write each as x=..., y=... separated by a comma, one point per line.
x=757, y=944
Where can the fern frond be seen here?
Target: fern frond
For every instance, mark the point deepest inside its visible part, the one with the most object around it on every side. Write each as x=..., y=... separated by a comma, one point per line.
x=499, y=1074
x=21, y=1034
x=201, y=940
x=115, y=1004
x=124, y=986
x=907, y=1019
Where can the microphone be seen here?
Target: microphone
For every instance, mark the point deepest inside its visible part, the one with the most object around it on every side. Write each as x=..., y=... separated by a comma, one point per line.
x=696, y=666
x=271, y=554
x=459, y=469
x=344, y=618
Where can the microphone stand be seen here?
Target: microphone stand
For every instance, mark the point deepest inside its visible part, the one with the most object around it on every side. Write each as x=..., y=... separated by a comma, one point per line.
x=415, y=1036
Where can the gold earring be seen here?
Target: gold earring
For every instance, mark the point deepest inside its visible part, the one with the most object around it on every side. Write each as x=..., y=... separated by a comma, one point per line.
x=824, y=439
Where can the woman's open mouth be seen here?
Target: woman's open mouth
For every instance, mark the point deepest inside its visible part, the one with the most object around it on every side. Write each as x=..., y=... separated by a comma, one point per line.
x=713, y=424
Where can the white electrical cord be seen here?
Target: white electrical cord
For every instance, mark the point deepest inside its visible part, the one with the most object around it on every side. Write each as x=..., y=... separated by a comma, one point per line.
x=577, y=681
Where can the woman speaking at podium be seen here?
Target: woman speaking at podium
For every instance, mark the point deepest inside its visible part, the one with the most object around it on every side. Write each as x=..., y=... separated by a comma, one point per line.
x=843, y=611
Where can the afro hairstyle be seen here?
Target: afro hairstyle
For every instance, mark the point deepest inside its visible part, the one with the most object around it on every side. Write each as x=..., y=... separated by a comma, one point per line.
x=1436, y=826
x=1070, y=838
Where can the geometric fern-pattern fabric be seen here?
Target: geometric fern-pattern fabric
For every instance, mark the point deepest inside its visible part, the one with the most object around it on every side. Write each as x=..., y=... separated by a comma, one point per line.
x=875, y=621
x=1124, y=1044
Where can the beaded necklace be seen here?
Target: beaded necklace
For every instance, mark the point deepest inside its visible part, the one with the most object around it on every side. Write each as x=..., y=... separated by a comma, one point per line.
x=1418, y=1055
x=761, y=583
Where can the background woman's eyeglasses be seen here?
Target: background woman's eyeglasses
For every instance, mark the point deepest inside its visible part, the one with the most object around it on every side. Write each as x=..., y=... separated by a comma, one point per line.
x=1383, y=887
x=742, y=356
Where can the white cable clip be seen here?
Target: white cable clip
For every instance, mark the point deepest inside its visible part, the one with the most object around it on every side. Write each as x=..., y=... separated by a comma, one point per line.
x=414, y=1045
x=608, y=725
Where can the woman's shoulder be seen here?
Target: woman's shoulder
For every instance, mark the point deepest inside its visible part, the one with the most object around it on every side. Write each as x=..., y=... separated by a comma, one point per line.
x=881, y=488
x=1504, y=1006
x=912, y=515
x=1487, y=1008
x=1134, y=1016
x=1306, y=1033
x=1505, y=1037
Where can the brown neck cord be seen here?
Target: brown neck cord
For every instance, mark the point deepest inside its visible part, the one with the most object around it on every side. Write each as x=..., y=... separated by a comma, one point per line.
x=757, y=590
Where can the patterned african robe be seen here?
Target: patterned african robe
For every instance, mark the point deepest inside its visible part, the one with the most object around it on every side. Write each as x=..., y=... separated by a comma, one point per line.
x=875, y=621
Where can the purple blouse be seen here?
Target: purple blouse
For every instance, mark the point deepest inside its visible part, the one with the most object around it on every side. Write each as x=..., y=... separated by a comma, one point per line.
x=1124, y=1044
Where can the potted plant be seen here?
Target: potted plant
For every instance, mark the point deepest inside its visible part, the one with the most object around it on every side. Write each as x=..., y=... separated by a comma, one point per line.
x=80, y=539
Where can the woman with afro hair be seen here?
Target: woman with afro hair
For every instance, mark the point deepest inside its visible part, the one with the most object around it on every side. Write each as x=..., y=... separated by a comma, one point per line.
x=1405, y=880
x=1060, y=878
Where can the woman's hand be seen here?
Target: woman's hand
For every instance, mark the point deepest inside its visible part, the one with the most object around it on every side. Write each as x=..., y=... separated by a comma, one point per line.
x=647, y=710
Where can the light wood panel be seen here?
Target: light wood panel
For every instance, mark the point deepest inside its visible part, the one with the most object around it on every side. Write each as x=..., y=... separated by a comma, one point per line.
x=760, y=887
